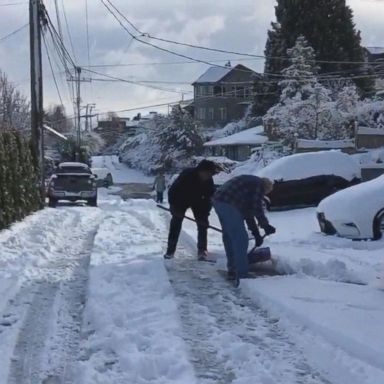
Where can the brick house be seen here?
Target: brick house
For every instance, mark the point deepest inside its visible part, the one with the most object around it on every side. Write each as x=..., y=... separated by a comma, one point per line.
x=222, y=95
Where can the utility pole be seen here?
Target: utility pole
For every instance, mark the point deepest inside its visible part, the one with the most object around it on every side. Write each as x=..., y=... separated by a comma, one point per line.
x=88, y=115
x=37, y=129
x=78, y=100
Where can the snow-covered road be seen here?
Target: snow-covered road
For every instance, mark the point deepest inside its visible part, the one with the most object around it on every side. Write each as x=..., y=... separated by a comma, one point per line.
x=85, y=297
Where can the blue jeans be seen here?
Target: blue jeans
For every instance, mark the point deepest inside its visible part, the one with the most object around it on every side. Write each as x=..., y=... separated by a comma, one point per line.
x=235, y=237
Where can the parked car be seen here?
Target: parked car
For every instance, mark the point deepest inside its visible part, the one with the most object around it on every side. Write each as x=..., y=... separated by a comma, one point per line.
x=356, y=212
x=103, y=177
x=305, y=179
x=72, y=182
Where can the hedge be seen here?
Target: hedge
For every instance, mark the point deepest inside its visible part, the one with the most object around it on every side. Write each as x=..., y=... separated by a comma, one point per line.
x=19, y=186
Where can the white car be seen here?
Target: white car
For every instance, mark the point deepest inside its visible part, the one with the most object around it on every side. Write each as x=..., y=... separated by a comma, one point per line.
x=356, y=212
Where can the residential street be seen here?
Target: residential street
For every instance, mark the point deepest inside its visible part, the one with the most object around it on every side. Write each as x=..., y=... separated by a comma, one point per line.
x=86, y=297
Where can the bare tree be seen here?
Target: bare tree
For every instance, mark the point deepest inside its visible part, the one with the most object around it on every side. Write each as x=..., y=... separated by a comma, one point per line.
x=14, y=107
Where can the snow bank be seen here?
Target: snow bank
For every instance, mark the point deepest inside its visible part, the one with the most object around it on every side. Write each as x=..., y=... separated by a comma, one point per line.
x=251, y=136
x=303, y=165
x=131, y=317
x=339, y=326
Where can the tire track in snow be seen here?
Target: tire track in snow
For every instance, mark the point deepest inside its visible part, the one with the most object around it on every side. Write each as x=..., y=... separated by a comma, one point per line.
x=48, y=340
x=230, y=338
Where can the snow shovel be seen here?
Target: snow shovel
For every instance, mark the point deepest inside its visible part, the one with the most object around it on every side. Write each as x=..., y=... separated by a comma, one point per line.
x=190, y=219
x=255, y=255
x=259, y=255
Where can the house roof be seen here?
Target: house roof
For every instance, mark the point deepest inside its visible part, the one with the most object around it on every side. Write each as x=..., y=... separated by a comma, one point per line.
x=215, y=74
x=375, y=50
x=370, y=131
x=251, y=136
x=325, y=144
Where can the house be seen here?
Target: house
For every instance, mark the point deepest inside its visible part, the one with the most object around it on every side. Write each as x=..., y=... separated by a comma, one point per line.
x=222, y=94
x=238, y=146
x=369, y=138
x=375, y=56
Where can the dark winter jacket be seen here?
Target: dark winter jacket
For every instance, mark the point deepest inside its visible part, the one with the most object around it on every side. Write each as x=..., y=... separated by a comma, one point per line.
x=245, y=193
x=188, y=190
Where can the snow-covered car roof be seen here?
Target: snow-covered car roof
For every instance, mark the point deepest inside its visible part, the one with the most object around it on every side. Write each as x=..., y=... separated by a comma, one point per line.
x=101, y=173
x=365, y=197
x=303, y=165
x=73, y=164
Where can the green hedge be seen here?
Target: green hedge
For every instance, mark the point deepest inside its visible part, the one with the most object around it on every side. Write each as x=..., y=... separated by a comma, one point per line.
x=19, y=188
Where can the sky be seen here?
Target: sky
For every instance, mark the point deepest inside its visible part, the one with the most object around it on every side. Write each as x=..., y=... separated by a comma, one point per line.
x=227, y=24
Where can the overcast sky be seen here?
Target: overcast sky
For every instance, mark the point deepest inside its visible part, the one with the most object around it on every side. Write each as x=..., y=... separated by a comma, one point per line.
x=239, y=25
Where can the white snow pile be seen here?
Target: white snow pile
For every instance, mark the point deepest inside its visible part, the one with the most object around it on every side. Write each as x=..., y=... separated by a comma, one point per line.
x=303, y=165
x=229, y=129
x=251, y=136
x=338, y=326
x=131, y=317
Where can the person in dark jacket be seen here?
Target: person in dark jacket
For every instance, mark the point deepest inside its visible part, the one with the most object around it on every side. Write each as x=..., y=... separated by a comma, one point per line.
x=193, y=189
x=237, y=201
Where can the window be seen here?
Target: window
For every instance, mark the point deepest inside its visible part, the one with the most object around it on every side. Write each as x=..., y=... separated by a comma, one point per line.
x=207, y=90
x=223, y=113
x=218, y=90
x=198, y=90
x=211, y=113
x=201, y=113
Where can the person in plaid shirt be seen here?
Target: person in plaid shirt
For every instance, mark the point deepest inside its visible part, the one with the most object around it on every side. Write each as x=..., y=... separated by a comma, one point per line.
x=237, y=201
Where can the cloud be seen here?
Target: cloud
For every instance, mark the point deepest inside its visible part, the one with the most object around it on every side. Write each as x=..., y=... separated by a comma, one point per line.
x=233, y=25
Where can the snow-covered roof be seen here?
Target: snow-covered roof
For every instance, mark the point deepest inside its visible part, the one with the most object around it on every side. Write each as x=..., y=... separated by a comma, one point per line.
x=213, y=74
x=375, y=50
x=70, y=164
x=325, y=144
x=251, y=136
x=304, y=165
x=370, y=131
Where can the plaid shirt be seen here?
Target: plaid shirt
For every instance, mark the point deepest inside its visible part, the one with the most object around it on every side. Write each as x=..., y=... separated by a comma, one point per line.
x=246, y=193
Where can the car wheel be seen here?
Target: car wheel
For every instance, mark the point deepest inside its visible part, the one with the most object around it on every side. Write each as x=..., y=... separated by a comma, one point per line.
x=378, y=225
x=92, y=202
x=52, y=202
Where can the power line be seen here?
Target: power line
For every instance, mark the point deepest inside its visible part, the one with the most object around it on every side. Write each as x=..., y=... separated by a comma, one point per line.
x=14, y=32
x=10, y=4
x=53, y=74
x=146, y=42
x=167, y=63
x=68, y=29
x=143, y=34
x=133, y=82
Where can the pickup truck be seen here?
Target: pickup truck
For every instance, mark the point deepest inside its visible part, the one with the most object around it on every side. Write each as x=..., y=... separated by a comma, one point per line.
x=72, y=182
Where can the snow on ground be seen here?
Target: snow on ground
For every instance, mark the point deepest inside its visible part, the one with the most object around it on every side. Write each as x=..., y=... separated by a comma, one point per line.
x=131, y=317
x=330, y=301
x=120, y=172
x=150, y=321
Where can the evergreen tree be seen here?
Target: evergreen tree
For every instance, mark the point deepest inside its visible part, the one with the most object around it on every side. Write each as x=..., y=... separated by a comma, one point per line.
x=329, y=28
x=178, y=138
x=299, y=78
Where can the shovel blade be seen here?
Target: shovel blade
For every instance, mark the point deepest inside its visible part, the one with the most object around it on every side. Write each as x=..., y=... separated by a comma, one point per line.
x=259, y=255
